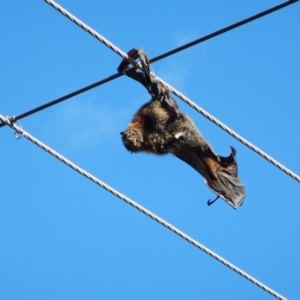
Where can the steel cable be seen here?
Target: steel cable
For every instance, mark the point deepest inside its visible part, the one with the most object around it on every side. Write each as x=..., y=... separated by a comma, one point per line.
x=154, y=59
x=138, y=207
x=175, y=92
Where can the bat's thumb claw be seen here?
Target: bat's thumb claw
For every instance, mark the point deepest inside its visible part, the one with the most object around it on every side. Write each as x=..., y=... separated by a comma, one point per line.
x=210, y=202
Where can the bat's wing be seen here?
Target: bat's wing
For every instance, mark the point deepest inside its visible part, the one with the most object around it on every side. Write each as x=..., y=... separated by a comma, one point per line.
x=192, y=159
x=220, y=176
x=228, y=186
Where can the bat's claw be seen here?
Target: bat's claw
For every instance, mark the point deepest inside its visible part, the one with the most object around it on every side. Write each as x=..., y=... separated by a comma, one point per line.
x=210, y=202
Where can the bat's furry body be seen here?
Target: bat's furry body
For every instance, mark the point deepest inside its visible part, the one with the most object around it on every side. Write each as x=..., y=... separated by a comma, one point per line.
x=159, y=127
x=157, y=130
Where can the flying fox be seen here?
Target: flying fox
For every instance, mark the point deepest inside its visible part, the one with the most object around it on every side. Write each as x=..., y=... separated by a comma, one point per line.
x=159, y=127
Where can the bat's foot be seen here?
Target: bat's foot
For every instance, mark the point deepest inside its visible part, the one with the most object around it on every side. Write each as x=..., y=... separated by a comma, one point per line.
x=133, y=53
x=132, y=140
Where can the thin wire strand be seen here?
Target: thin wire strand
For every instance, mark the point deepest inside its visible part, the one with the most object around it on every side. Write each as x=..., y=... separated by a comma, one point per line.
x=63, y=98
x=124, y=55
x=226, y=29
x=175, y=92
x=138, y=207
x=152, y=60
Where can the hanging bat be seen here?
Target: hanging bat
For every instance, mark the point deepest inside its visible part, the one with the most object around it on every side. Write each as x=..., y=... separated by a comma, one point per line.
x=159, y=127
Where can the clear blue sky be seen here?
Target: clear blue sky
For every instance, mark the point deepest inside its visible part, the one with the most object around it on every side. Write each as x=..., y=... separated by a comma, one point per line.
x=63, y=237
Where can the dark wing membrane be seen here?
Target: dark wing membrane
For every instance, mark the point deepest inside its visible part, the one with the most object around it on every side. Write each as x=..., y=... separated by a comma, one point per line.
x=193, y=160
x=229, y=188
x=226, y=184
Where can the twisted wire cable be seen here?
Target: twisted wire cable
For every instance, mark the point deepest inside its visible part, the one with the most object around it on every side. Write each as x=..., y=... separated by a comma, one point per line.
x=175, y=92
x=156, y=58
x=76, y=168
